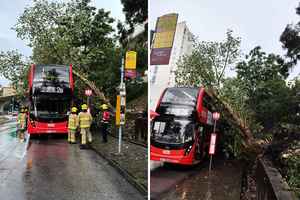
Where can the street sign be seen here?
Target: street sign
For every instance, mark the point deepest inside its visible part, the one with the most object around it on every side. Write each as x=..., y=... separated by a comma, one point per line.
x=88, y=92
x=123, y=100
x=212, y=145
x=129, y=73
x=123, y=110
x=216, y=116
x=118, y=110
x=130, y=62
x=122, y=119
x=122, y=89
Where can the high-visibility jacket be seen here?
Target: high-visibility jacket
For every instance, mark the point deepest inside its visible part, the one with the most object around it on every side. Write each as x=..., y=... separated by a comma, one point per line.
x=85, y=119
x=73, y=122
x=22, y=120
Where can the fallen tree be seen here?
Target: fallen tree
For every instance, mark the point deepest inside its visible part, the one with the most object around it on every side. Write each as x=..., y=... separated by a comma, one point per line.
x=234, y=119
x=92, y=85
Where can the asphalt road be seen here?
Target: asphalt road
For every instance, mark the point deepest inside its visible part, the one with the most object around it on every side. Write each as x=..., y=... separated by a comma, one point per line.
x=53, y=169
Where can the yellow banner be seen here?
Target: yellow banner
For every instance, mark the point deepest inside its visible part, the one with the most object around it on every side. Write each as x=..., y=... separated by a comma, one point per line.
x=167, y=23
x=118, y=110
x=130, y=62
x=163, y=39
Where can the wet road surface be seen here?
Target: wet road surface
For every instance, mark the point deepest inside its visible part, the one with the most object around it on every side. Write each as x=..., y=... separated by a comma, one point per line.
x=194, y=183
x=53, y=169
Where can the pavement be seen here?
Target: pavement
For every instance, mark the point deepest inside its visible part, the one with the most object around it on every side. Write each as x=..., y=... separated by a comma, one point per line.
x=174, y=182
x=132, y=163
x=52, y=169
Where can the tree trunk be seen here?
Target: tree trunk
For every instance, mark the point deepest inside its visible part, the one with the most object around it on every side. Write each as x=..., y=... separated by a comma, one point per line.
x=92, y=85
x=236, y=119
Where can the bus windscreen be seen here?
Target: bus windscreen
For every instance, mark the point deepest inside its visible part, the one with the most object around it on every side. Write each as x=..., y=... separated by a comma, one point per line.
x=186, y=96
x=176, y=131
x=51, y=79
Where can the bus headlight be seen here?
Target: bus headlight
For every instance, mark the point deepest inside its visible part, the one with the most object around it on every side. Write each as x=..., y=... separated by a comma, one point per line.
x=188, y=150
x=32, y=123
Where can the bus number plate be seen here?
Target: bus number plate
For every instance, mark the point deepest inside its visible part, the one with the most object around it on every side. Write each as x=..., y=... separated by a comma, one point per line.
x=50, y=125
x=166, y=152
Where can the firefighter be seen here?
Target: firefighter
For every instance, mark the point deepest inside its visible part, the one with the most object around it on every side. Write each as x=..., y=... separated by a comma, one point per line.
x=85, y=121
x=104, y=117
x=72, y=125
x=26, y=110
x=22, y=124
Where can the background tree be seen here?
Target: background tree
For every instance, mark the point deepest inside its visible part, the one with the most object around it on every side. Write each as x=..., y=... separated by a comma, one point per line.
x=78, y=33
x=263, y=76
x=208, y=62
x=14, y=67
x=290, y=39
x=206, y=67
x=74, y=32
x=136, y=12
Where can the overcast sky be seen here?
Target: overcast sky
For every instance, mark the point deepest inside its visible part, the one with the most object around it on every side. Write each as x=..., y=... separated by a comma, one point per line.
x=11, y=9
x=257, y=22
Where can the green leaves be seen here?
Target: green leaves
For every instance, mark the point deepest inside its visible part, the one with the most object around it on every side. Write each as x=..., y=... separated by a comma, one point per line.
x=135, y=11
x=14, y=67
x=260, y=67
x=263, y=76
x=290, y=40
x=73, y=32
x=208, y=62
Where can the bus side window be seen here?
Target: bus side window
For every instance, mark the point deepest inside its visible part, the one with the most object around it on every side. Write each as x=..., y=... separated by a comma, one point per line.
x=200, y=131
x=207, y=102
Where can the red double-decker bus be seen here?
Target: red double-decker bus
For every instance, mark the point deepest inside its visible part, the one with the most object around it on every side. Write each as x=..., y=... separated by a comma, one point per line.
x=50, y=95
x=182, y=126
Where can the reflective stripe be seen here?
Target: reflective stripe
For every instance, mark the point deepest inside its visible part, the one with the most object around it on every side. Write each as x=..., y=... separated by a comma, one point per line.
x=22, y=118
x=85, y=119
x=73, y=123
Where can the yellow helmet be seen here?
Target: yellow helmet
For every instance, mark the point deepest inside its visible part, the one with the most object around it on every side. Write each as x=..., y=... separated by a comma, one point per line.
x=22, y=110
x=104, y=106
x=74, y=110
x=84, y=107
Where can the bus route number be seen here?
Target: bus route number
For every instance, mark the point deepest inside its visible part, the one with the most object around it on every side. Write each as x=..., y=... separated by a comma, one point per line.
x=52, y=89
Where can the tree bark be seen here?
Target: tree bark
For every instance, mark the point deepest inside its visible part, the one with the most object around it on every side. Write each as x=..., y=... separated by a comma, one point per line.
x=236, y=119
x=92, y=85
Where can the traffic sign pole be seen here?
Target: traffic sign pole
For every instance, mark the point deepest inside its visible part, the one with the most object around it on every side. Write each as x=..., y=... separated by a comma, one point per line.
x=128, y=64
x=88, y=101
x=210, y=160
x=213, y=137
x=88, y=93
x=121, y=124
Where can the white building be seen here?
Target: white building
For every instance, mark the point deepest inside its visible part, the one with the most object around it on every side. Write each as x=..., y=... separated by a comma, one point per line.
x=162, y=76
